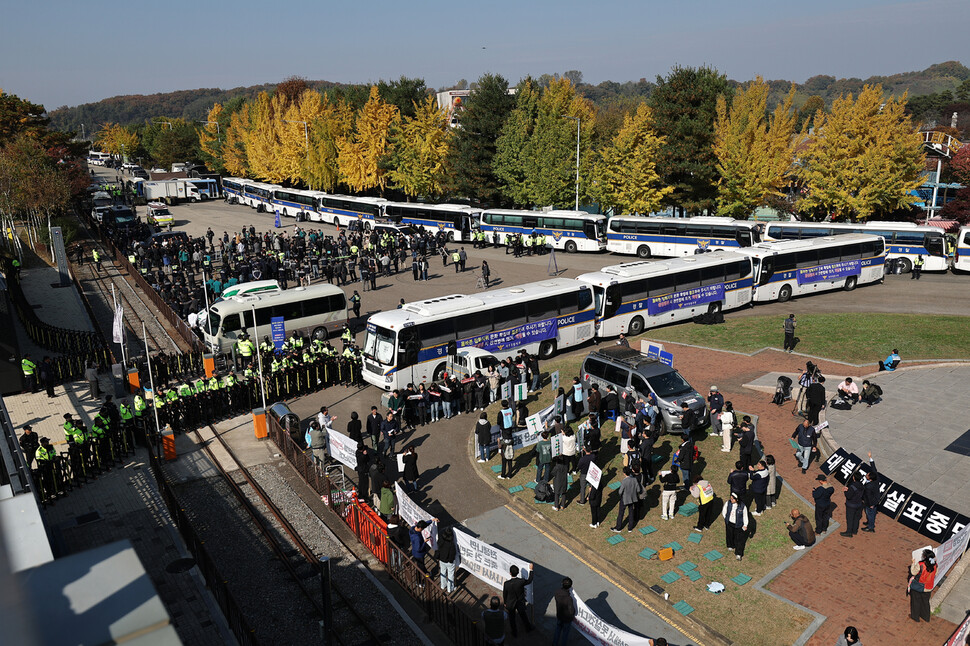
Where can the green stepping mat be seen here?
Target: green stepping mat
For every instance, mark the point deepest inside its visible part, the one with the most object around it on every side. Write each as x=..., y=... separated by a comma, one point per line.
x=674, y=545
x=713, y=555
x=530, y=485
x=741, y=579
x=686, y=567
x=670, y=577
x=693, y=575
x=687, y=509
x=695, y=537
x=615, y=539
x=516, y=489
x=683, y=608
x=649, y=529
x=614, y=485
x=497, y=468
x=647, y=553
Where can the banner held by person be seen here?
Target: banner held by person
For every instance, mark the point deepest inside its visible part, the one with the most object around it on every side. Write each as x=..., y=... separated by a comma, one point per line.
x=411, y=513
x=601, y=633
x=342, y=448
x=488, y=563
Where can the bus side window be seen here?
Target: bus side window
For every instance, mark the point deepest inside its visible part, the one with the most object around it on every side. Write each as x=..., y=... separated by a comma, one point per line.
x=744, y=237
x=767, y=270
x=935, y=245
x=585, y=299
x=231, y=323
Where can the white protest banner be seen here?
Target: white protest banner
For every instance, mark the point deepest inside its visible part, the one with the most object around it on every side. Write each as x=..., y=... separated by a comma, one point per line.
x=400, y=463
x=521, y=392
x=555, y=381
x=959, y=636
x=528, y=436
x=560, y=405
x=411, y=513
x=556, y=444
x=534, y=423
x=594, y=475
x=506, y=391
x=489, y=563
x=342, y=449
x=950, y=552
x=601, y=633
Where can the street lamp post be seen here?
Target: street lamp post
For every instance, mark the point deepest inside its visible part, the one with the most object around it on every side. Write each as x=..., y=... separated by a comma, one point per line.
x=577, y=156
x=259, y=356
x=306, y=133
x=218, y=131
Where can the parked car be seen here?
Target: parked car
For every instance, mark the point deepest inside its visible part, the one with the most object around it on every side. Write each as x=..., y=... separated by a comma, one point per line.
x=624, y=368
x=470, y=360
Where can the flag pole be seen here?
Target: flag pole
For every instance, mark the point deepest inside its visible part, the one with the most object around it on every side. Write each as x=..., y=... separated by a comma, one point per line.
x=151, y=378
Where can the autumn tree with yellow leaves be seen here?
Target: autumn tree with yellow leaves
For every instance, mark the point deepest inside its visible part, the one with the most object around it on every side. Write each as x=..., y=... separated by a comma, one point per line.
x=865, y=157
x=116, y=139
x=754, y=152
x=420, y=144
x=336, y=121
x=360, y=156
x=625, y=174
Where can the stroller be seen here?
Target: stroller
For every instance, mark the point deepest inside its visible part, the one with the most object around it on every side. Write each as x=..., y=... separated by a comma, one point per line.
x=782, y=391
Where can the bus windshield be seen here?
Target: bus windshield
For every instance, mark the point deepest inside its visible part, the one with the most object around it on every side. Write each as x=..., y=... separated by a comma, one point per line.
x=379, y=345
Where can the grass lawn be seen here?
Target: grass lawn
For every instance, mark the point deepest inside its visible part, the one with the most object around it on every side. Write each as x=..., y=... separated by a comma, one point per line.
x=857, y=338
x=730, y=612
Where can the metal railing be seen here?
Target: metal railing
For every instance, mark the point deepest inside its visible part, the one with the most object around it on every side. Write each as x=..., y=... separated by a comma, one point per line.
x=371, y=531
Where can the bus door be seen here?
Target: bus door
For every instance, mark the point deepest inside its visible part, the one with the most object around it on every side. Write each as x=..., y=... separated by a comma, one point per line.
x=612, y=301
x=743, y=237
x=935, y=245
x=589, y=229
x=767, y=270
x=463, y=224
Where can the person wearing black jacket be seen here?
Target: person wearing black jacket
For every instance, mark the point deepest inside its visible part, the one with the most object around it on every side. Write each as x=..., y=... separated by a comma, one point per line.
x=513, y=595
x=738, y=480
x=646, y=455
x=397, y=531
x=353, y=429
x=815, y=400
x=853, y=505
x=29, y=443
x=374, y=426
x=483, y=436
x=364, y=457
x=447, y=553
x=687, y=419
x=565, y=612
x=587, y=458
x=611, y=403
x=746, y=442
x=822, y=494
x=870, y=496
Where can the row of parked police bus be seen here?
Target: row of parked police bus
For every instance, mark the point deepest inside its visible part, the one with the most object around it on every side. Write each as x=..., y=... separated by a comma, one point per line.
x=414, y=343
x=577, y=231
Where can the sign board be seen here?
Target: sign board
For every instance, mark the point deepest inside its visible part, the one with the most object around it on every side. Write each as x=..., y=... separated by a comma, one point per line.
x=527, y=436
x=342, y=449
x=949, y=552
x=654, y=350
x=521, y=392
x=896, y=496
x=915, y=511
x=594, y=475
x=555, y=443
x=506, y=391
x=560, y=405
x=411, y=513
x=488, y=563
x=277, y=224
x=667, y=358
x=534, y=423
x=277, y=328
x=555, y=381
x=598, y=632
x=833, y=461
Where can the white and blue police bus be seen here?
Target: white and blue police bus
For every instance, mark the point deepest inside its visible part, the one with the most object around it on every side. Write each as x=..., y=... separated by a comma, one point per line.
x=904, y=240
x=569, y=231
x=961, y=256
x=668, y=237
x=208, y=187
x=343, y=210
x=232, y=189
x=411, y=344
x=638, y=295
x=456, y=220
x=294, y=202
x=801, y=267
x=259, y=196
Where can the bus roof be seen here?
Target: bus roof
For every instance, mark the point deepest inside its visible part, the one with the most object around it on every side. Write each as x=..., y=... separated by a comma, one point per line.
x=770, y=248
x=878, y=225
x=702, y=219
x=434, y=207
x=251, y=287
x=455, y=304
x=242, y=302
x=556, y=213
x=644, y=268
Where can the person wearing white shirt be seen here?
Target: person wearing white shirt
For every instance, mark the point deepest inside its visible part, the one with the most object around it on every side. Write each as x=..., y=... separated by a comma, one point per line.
x=849, y=390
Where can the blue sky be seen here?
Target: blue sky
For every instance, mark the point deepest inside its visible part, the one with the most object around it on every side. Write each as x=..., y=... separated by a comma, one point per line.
x=59, y=52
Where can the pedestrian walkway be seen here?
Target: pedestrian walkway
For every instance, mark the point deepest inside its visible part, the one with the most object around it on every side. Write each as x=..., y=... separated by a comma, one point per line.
x=59, y=306
x=510, y=533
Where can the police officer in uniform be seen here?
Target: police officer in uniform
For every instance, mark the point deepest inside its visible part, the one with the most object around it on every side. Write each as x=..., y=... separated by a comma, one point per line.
x=30, y=373
x=74, y=434
x=47, y=466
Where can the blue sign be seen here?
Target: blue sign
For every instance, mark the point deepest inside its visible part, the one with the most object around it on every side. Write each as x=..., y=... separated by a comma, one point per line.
x=667, y=358
x=688, y=298
x=278, y=330
x=653, y=351
x=834, y=271
x=278, y=223
x=515, y=337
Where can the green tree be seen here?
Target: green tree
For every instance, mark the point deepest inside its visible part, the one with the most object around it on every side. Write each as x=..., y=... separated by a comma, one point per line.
x=405, y=93
x=754, y=152
x=806, y=113
x=625, y=176
x=469, y=162
x=684, y=106
x=420, y=146
x=169, y=140
x=865, y=158
x=510, y=151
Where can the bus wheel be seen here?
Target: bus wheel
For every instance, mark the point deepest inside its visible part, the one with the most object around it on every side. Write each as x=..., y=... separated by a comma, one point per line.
x=320, y=333
x=636, y=326
x=439, y=372
x=451, y=236
x=850, y=283
x=570, y=246
x=784, y=294
x=643, y=251
x=905, y=265
x=547, y=349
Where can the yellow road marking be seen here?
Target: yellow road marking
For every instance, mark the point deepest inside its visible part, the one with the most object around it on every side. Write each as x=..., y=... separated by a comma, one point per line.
x=629, y=593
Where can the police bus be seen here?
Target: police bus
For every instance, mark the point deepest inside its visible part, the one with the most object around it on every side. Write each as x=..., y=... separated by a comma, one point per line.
x=646, y=237
x=456, y=220
x=232, y=189
x=259, y=196
x=208, y=187
x=961, y=256
x=798, y=267
x=317, y=310
x=294, y=203
x=638, y=295
x=413, y=344
x=570, y=231
x=904, y=240
x=342, y=210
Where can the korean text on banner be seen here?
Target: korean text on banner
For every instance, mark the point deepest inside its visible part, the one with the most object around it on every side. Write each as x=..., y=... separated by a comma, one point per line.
x=950, y=552
x=278, y=328
x=529, y=435
x=601, y=633
x=833, y=271
x=489, y=563
x=342, y=448
x=515, y=337
x=687, y=298
x=959, y=636
x=594, y=475
x=411, y=513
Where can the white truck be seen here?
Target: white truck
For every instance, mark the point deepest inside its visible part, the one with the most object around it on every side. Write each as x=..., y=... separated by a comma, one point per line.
x=171, y=191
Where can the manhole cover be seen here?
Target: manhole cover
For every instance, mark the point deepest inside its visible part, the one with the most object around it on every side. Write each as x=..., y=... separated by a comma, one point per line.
x=180, y=565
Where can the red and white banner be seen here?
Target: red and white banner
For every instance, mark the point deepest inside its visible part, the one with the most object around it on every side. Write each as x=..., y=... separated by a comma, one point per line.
x=959, y=637
x=601, y=633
